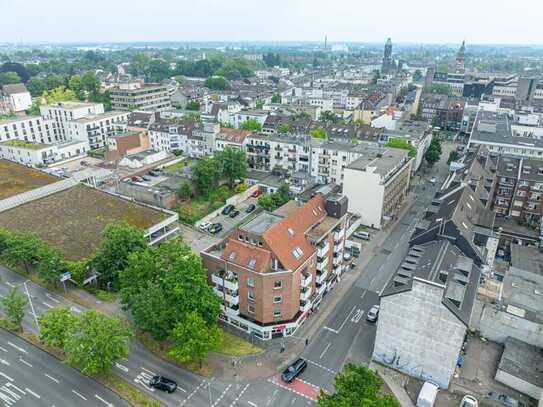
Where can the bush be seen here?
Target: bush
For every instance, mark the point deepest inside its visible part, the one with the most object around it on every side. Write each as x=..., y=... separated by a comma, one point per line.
x=241, y=188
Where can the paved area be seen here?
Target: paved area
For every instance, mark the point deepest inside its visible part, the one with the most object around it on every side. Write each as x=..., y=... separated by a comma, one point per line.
x=31, y=377
x=228, y=223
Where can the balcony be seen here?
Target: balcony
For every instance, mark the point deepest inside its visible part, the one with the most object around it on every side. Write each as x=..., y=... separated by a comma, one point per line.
x=337, y=261
x=338, y=248
x=232, y=298
x=230, y=281
x=321, y=288
x=323, y=249
x=305, y=306
x=338, y=235
x=321, y=265
x=306, y=280
x=305, y=293
x=321, y=278
x=232, y=310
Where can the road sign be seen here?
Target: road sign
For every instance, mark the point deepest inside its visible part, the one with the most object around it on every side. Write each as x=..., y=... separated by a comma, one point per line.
x=65, y=276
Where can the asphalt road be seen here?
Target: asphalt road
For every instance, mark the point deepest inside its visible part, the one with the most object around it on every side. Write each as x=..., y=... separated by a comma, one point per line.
x=31, y=377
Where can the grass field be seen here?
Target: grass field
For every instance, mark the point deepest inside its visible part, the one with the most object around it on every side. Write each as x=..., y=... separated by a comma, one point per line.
x=16, y=179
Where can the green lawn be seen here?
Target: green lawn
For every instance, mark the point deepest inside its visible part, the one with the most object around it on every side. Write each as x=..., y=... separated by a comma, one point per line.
x=235, y=346
x=193, y=210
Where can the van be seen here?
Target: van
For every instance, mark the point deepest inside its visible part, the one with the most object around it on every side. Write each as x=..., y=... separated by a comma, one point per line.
x=362, y=235
x=427, y=395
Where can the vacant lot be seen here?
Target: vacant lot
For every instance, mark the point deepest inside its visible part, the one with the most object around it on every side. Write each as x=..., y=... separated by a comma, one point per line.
x=16, y=179
x=73, y=220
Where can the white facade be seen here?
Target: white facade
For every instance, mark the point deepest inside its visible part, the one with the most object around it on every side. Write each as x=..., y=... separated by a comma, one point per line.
x=40, y=155
x=95, y=129
x=328, y=161
x=238, y=118
x=63, y=113
x=19, y=102
x=33, y=129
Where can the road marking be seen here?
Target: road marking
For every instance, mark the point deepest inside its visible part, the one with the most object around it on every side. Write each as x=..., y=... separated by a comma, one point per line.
x=322, y=367
x=108, y=404
x=4, y=362
x=33, y=393
x=252, y=404
x=193, y=393
x=47, y=305
x=6, y=376
x=330, y=329
x=11, y=285
x=11, y=398
x=222, y=395
x=51, y=377
x=15, y=387
x=52, y=298
x=239, y=395
x=3, y=349
x=325, y=349
x=356, y=317
x=291, y=390
x=148, y=371
x=32, y=306
x=25, y=362
x=79, y=394
x=17, y=347
x=122, y=367
x=343, y=323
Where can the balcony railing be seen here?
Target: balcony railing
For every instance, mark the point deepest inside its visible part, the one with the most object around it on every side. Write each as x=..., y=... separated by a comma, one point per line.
x=305, y=293
x=230, y=282
x=321, y=278
x=339, y=235
x=305, y=306
x=337, y=261
x=323, y=249
x=322, y=264
x=306, y=279
x=232, y=299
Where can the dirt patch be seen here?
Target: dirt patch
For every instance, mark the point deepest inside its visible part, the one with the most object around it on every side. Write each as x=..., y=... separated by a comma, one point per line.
x=16, y=179
x=73, y=220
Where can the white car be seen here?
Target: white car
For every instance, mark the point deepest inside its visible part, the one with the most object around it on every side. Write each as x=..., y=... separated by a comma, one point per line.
x=204, y=225
x=469, y=401
x=433, y=180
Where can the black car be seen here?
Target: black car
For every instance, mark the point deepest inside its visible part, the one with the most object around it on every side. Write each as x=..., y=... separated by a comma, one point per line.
x=163, y=383
x=234, y=213
x=215, y=228
x=250, y=208
x=293, y=370
x=227, y=209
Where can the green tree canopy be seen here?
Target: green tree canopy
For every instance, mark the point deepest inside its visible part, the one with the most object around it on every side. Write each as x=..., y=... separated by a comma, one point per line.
x=453, y=156
x=232, y=163
x=193, y=105
x=217, y=83
x=120, y=239
x=319, y=133
x=440, y=88
x=251, y=124
x=206, y=174
x=284, y=128
x=433, y=154
x=96, y=342
x=22, y=249
x=272, y=201
x=57, y=95
x=55, y=323
x=402, y=144
x=9, y=78
x=276, y=98
x=328, y=117
x=357, y=386
x=14, y=307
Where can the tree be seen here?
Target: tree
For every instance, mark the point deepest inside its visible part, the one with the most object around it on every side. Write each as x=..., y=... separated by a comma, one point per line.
x=9, y=78
x=417, y=76
x=22, y=249
x=57, y=95
x=328, y=117
x=233, y=164
x=96, y=342
x=120, y=239
x=206, y=174
x=270, y=202
x=357, y=386
x=51, y=264
x=284, y=128
x=434, y=152
x=55, y=324
x=54, y=81
x=360, y=123
x=276, y=98
x=217, y=83
x=193, y=105
x=319, y=133
x=185, y=191
x=192, y=339
x=36, y=87
x=453, y=156
x=440, y=88
x=17, y=68
x=76, y=85
x=14, y=308
x=233, y=69
x=402, y=144
x=251, y=124
x=34, y=109
x=91, y=83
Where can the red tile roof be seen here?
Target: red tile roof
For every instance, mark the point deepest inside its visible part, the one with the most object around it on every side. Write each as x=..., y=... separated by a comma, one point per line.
x=246, y=255
x=233, y=135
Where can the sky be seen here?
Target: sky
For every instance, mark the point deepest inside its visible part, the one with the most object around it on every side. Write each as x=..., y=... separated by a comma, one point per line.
x=416, y=21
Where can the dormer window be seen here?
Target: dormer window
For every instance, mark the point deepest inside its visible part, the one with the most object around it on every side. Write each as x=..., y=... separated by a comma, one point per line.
x=290, y=231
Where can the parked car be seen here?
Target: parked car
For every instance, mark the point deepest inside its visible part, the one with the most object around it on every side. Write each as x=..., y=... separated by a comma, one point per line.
x=135, y=178
x=163, y=383
x=234, y=213
x=250, y=208
x=293, y=370
x=257, y=193
x=154, y=173
x=469, y=401
x=362, y=235
x=373, y=314
x=227, y=209
x=427, y=395
x=215, y=228
x=346, y=256
x=205, y=225
x=146, y=178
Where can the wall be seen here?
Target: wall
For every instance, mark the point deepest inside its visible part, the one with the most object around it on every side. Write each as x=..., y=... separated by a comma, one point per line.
x=519, y=384
x=418, y=335
x=365, y=196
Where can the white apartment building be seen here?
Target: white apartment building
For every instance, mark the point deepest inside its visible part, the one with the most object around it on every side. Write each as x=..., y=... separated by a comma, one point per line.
x=137, y=96
x=329, y=159
x=39, y=154
x=64, y=112
x=17, y=97
x=97, y=128
x=377, y=184
x=30, y=128
x=287, y=153
x=238, y=118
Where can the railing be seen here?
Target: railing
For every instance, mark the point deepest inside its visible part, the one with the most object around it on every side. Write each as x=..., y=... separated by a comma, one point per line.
x=305, y=293
x=321, y=252
x=322, y=264
x=339, y=235
x=306, y=280
x=321, y=278
x=231, y=284
x=305, y=306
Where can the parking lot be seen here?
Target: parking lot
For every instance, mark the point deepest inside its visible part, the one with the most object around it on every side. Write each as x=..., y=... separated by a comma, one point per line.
x=228, y=223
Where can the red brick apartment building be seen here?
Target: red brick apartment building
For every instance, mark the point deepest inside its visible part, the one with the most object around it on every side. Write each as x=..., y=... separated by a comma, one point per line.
x=274, y=269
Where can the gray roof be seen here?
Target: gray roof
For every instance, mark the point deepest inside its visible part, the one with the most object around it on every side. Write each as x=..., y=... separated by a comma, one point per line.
x=440, y=262
x=527, y=258
x=383, y=159
x=523, y=361
x=261, y=223
x=14, y=89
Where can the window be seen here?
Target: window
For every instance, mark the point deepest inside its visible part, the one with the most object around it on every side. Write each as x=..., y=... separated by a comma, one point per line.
x=252, y=263
x=277, y=312
x=277, y=299
x=232, y=256
x=250, y=282
x=297, y=252
x=277, y=284
x=250, y=296
x=290, y=231
x=251, y=309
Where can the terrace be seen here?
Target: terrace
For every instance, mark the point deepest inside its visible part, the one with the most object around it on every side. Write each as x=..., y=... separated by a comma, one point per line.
x=16, y=179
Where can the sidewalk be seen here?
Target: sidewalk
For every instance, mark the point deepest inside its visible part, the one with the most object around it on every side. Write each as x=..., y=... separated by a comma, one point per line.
x=394, y=382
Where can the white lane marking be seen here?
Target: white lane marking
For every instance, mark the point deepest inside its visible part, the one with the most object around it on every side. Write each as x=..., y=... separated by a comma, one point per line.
x=52, y=378
x=25, y=362
x=330, y=329
x=103, y=401
x=4, y=362
x=239, y=395
x=11, y=392
x=122, y=367
x=47, y=305
x=193, y=393
x=10, y=398
x=148, y=371
x=357, y=315
x=33, y=393
x=291, y=390
x=343, y=323
x=17, y=347
x=322, y=367
x=52, y=298
x=252, y=404
x=325, y=349
x=143, y=378
x=6, y=376
x=11, y=285
x=79, y=394
x=31, y=306
x=3, y=349
x=15, y=387
x=222, y=395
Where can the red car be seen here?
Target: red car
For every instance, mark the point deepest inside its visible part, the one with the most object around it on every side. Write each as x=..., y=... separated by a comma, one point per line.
x=257, y=193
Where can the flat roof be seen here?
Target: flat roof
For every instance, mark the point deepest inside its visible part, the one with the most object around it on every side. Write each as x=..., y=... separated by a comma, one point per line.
x=101, y=116
x=261, y=223
x=527, y=258
x=16, y=179
x=27, y=145
x=383, y=159
x=523, y=361
x=71, y=105
x=73, y=220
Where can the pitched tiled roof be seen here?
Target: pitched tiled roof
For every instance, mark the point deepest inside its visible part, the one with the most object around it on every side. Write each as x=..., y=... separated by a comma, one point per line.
x=233, y=135
x=287, y=238
x=246, y=255
x=14, y=89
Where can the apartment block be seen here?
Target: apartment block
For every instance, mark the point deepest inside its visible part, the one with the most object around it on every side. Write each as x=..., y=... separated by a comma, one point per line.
x=97, y=128
x=63, y=113
x=137, y=96
x=30, y=128
x=16, y=97
x=272, y=271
